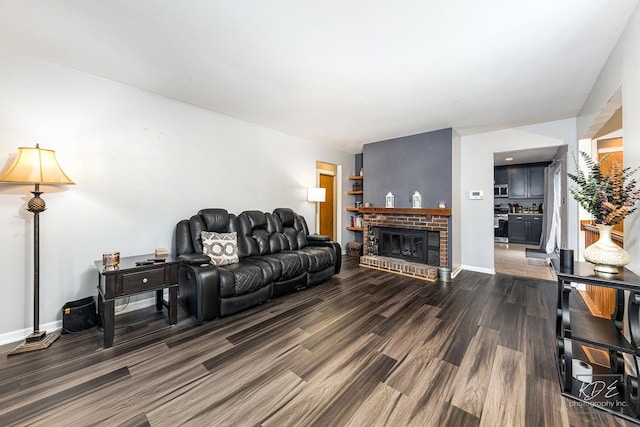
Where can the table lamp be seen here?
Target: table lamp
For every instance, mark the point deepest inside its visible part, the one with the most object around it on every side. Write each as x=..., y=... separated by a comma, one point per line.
x=316, y=194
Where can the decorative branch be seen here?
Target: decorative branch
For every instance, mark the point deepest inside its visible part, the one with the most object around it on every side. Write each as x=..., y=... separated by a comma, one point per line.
x=609, y=198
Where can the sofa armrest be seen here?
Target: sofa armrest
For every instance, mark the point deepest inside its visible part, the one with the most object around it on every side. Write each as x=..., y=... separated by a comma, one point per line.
x=333, y=245
x=200, y=291
x=322, y=243
x=318, y=238
x=195, y=259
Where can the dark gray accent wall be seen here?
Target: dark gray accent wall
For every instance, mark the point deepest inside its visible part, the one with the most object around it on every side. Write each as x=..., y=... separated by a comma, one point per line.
x=421, y=162
x=358, y=163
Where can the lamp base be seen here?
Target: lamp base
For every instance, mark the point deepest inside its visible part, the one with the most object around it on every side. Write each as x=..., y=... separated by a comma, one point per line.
x=33, y=343
x=36, y=336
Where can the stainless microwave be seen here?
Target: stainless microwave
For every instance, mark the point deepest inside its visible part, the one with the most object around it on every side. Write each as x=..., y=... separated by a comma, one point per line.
x=501, y=190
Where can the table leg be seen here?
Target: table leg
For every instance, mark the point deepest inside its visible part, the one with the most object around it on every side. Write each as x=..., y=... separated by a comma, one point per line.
x=108, y=317
x=173, y=305
x=633, y=384
x=159, y=299
x=618, y=314
x=631, y=391
x=563, y=334
x=100, y=310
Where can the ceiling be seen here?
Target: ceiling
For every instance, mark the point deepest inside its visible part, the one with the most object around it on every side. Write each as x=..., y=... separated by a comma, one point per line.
x=337, y=72
x=532, y=155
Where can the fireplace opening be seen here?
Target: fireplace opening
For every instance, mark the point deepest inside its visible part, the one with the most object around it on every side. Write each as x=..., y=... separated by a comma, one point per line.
x=421, y=246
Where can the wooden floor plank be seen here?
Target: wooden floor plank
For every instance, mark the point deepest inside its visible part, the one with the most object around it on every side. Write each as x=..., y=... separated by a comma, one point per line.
x=376, y=410
x=542, y=393
x=475, y=372
x=427, y=404
x=506, y=398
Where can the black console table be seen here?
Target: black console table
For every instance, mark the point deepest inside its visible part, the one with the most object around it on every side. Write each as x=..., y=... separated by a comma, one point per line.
x=584, y=341
x=133, y=278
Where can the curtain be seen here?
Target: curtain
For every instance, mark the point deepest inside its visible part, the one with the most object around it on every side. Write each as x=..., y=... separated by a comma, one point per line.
x=550, y=238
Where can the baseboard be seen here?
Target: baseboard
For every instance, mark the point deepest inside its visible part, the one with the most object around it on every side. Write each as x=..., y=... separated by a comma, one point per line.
x=19, y=335
x=456, y=271
x=478, y=269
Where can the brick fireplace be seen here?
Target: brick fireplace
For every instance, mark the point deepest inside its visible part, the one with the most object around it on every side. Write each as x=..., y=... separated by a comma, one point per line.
x=436, y=220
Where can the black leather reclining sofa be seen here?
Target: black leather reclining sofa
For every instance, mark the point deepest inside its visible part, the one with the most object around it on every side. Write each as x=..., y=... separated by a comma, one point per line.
x=275, y=252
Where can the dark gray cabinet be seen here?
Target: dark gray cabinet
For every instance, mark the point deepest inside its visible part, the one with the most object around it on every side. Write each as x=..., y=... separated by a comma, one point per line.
x=518, y=182
x=534, y=230
x=536, y=181
x=526, y=181
x=517, y=229
x=525, y=229
x=500, y=175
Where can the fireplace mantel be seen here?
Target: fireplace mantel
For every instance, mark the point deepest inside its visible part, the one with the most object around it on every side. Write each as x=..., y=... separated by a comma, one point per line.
x=408, y=211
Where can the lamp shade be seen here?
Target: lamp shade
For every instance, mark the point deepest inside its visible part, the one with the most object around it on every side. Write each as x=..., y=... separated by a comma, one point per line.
x=35, y=166
x=315, y=194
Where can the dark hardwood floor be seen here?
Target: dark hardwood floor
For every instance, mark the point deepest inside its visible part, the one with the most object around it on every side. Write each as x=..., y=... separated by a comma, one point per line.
x=367, y=348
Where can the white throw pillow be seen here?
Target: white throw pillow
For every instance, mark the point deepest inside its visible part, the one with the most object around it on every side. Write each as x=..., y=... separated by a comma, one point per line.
x=222, y=248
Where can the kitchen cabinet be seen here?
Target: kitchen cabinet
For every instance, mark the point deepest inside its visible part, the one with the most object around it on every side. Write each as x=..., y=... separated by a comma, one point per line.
x=525, y=229
x=534, y=230
x=536, y=181
x=518, y=178
x=500, y=175
x=526, y=181
x=517, y=229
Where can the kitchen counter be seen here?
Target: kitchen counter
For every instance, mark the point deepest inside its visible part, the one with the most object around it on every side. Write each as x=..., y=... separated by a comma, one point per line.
x=526, y=213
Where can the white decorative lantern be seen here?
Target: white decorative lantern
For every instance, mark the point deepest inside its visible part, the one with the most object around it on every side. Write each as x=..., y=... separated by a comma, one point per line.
x=389, y=200
x=417, y=200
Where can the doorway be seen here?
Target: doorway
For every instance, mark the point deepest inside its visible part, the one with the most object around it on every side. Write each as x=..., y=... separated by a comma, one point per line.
x=326, y=211
x=525, y=207
x=326, y=208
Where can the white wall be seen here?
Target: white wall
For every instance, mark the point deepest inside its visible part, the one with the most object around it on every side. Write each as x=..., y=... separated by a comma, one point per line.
x=141, y=163
x=622, y=69
x=476, y=166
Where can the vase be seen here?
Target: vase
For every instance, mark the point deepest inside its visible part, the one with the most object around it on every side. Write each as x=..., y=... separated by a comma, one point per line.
x=606, y=255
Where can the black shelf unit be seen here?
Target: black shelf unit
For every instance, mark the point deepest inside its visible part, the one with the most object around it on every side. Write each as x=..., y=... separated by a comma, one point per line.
x=613, y=388
x=598, y=331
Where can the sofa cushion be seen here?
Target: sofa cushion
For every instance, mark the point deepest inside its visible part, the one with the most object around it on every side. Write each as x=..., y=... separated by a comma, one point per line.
x=292, y=227
x=244, y=277
x=222, y=248
x=319, y=257
x=253, y=235
x=287, y=265
x=215, y=219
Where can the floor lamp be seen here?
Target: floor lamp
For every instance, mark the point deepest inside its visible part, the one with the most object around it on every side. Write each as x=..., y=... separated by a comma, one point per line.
x=35, y=166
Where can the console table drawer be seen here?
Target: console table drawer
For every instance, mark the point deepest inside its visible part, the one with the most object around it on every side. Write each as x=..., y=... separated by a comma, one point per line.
x=144, y=280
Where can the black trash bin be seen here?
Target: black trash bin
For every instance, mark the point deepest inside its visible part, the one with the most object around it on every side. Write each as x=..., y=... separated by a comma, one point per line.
x=79, y=315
